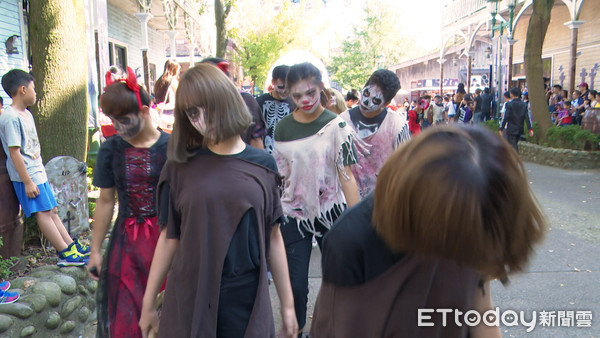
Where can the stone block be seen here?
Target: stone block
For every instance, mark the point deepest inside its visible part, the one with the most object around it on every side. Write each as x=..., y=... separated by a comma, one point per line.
x=84, y=314
x=69, y=306
x=54, y=268
x=23, y=282
x=53, y=320
x=67, y=327
x=27, y=331
x=42, y=274
x=67, y=283
x=22, y=311
x=77, y=272
x=5, y=323
x=36, y=301
x=51, y=290
x=92, y=285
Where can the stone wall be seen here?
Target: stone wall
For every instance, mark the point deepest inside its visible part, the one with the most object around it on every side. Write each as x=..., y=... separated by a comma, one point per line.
x=54, y=302
x=561, y=158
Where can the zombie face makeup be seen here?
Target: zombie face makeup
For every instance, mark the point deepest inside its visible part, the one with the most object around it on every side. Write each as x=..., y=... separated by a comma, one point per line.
x=372, y=99
x=280, y=88
x=332, y=100
x=128, y=125
x=306, y=94
x=196, y=115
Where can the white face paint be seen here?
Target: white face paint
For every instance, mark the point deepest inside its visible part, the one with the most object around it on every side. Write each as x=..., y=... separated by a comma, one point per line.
x=332, y=100
x=306, y=94
x=196, y=115
x=372, y=99
x=128, y=125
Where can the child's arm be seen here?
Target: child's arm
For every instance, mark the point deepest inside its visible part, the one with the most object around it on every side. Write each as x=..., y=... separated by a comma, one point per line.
x=349, y=186
x=31, y=190
x=161, y=262
x=279, y=269
x=102, y=218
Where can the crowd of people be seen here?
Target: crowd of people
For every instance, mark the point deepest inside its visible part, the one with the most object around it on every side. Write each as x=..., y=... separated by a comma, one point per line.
x=410, y=206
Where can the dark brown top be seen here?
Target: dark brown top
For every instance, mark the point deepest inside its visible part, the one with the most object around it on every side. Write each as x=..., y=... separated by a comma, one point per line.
x=207, y=199
x=369, y=291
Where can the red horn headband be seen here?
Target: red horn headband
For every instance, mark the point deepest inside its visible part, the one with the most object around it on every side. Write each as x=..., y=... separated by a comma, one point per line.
x=130, y=81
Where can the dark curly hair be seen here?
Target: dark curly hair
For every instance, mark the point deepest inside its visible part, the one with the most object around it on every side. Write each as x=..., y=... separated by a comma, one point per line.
x=387, y=81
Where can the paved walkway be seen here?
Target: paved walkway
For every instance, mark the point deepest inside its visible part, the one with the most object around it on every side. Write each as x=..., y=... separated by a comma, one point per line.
x=565, y=273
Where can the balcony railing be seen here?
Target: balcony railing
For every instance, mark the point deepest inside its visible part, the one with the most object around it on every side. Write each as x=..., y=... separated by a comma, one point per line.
x=454, y=10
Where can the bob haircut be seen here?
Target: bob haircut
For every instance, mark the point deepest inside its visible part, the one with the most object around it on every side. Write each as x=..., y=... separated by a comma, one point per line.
x=226, y=114
x=460, y=193
x=118, y=100
x=340, y=101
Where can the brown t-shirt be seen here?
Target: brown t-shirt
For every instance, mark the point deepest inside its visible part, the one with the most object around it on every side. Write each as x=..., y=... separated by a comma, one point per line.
x=369, y=291
x=208, y=196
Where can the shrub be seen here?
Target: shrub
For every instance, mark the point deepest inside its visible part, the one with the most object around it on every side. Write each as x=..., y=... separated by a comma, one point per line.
x=572, y=137
x=6, y=264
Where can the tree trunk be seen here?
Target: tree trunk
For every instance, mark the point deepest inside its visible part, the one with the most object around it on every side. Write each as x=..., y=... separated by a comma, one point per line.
x=536, y=32
x=220, y=16
x=57, y=32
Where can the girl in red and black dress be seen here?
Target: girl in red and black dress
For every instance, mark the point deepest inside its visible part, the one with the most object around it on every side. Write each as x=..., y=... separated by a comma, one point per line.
x=129, y=164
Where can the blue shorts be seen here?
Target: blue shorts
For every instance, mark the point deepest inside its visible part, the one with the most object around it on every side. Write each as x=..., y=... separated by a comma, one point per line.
x=43, y=202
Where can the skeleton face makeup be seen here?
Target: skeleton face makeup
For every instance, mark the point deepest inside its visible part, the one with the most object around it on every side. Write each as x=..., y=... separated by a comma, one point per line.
x=280, y=89
x=128, y=125
x=196, y=115
x=306, y=94
x=372, y=99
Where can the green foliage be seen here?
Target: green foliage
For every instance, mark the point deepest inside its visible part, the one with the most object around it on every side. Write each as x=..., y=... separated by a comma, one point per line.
x=6, y=264
x=572, y=137
x=492, y=125
x=377, y=43
x=261, y=47
x=91, y=209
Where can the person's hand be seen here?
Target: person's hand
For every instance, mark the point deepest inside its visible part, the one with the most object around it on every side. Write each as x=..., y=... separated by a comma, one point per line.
x=530, y=133
x=95, y=265
x=148, y=320
x=31, y=190
x=500, y=132
x=289, y=323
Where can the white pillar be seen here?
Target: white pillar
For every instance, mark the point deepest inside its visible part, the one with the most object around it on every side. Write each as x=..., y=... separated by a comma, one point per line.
x=173, y=43
x=144, y=18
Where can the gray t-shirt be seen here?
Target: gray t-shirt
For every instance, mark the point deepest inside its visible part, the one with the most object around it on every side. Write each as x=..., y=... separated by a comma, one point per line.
x=18, y=130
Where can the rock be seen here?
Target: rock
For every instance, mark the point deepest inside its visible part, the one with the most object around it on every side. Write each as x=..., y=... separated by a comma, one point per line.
x=23, y=282
x=82, y=290
x=53, y=320
x=67, y=327
x=54, y=268
x=67, y=283
x=27, y=331
x=69, y=306
x=84, y=314
x=92, y=285
x=42, y=274
x=17, y=309
x=50, y=290
x=77, y=272
x=5, y=322
x=36, y=301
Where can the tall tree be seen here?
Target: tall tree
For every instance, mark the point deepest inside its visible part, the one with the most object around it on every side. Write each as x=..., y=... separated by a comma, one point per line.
x=261, y=46
x=222, y=9
x=370, y=47
x=536, y=33
x=57, y=31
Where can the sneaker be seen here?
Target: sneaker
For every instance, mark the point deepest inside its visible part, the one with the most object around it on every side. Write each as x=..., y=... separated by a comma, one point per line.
x=72, y=257
x=4, y=286
x=7, y=297
x=84, y=249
